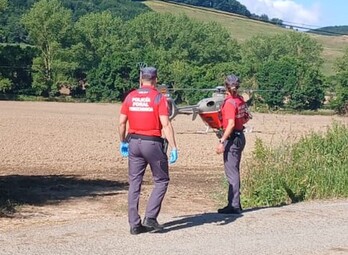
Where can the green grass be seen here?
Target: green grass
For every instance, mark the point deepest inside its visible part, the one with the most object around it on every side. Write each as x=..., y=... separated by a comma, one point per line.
x=242, y=28
x=316, y=167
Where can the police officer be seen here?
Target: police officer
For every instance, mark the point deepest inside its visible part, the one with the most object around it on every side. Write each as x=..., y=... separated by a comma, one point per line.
x=146, y=112
x=234, y=116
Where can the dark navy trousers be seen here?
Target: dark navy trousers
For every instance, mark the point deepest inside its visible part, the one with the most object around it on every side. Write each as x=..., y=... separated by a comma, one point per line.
x=232, y=158
x=141, y=154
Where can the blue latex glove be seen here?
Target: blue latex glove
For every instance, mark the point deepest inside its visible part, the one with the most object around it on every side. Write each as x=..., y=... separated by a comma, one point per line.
x=124, y=149
x=173, y=156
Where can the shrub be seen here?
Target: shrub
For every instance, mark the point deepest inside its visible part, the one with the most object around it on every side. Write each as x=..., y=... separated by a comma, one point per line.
x=313, y=168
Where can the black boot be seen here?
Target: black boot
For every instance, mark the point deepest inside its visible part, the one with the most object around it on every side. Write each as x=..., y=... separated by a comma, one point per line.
x=230, y=210
x=138, y=230
x=152, y=224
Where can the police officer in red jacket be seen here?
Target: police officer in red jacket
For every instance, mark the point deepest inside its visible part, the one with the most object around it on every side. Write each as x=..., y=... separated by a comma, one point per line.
x=234, y=116
x=146, y=112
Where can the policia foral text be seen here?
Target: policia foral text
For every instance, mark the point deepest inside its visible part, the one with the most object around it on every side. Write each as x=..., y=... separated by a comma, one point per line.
x=146, y=112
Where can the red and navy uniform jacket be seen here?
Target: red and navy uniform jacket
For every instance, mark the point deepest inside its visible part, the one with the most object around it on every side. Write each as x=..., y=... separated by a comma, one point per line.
x=234, y=107
x=143, y=108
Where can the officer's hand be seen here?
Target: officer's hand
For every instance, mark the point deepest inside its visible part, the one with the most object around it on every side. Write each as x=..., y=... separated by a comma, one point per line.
x=124, y=149
x=220, y=148
x=173, y=156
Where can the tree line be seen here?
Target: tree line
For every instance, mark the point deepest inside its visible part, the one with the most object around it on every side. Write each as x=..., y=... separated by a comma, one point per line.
x=330, y=31
x=13, y=31
x=231, y=6
x=222, y=5
x=98, y=54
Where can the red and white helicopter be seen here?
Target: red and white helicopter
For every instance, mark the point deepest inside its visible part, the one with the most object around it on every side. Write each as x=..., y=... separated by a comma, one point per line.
x=208, y=109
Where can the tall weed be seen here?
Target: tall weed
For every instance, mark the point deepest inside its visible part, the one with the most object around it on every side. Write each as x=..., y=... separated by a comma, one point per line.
x=315, y=167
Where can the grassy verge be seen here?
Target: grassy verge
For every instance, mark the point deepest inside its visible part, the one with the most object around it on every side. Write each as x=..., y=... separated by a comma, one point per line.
x=313, y=168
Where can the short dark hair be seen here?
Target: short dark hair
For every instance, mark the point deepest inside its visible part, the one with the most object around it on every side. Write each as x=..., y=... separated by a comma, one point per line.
x=149, y=73
x=232, y=81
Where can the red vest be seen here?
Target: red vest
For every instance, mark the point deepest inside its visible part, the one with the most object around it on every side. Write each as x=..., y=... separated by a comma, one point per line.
x=234, y=107
x=143, y=108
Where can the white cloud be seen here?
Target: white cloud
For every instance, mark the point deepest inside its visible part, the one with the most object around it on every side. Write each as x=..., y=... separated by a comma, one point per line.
x=287, y=10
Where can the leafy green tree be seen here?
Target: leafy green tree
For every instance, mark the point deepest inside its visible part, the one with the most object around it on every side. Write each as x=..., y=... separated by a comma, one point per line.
x=16, y=63
x=111, y=79
x=261, y=49
x=12, y=31
x=277, y=21
x=100, y=38
x=163, y=38
x=99, y=34
x=276, y=78
x=286, y=82
x=48, y=25
x=232, y=6
x=340, y=103
x=123, y=9
x=170, y=43
x=3, y=5
x=262, y=54
x=308, y=92
x=5, y=85
x=264, y=17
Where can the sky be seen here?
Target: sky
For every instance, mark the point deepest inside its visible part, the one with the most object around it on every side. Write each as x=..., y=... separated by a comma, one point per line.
x=306, y=13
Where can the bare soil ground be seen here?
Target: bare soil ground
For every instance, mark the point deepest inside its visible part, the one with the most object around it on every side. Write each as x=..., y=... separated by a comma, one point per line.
x=60, y=161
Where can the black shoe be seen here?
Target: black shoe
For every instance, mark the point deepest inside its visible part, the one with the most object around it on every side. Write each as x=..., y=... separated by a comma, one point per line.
x=152, y=224
x=230, y=210
x=138, y=230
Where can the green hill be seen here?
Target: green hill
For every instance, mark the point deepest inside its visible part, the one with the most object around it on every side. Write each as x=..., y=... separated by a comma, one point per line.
x=242, y=28
x=332, y=30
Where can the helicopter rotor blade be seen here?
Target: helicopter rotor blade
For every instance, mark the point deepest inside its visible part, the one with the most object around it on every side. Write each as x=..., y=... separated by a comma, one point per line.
x=193, y=89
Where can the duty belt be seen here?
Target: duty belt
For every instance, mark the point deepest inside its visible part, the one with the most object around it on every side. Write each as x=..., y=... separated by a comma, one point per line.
x=235, y=133
x=146, y=137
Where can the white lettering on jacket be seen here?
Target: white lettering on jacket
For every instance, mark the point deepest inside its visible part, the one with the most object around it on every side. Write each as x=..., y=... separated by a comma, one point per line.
x=241, y=111
x=141, y=104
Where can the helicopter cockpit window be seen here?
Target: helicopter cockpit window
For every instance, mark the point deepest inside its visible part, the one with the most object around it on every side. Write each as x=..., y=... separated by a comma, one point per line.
x=210, y=103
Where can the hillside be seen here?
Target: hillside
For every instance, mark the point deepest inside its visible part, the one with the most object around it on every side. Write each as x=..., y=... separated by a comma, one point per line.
x=331, y=30
x=242, y=28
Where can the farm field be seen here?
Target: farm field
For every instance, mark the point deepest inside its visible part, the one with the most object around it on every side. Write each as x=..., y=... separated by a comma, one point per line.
x=60, y=163
x=72, y=148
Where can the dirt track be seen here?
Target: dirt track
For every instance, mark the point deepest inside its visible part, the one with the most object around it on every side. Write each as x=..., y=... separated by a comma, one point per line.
x=63, y=160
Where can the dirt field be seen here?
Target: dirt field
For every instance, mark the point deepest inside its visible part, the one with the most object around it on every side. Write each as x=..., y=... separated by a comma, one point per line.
x=61, y=160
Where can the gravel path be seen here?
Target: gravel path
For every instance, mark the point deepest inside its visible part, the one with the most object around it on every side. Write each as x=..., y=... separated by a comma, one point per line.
x=319, y=227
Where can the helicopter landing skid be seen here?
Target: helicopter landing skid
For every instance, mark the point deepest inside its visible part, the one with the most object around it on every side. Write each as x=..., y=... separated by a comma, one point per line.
x=205, y=131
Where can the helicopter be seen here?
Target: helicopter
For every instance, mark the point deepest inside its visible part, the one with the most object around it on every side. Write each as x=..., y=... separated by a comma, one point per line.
x=208, y=109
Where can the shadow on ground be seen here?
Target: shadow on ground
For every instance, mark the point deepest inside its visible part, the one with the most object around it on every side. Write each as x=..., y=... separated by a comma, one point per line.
x=252, y=209
x=188, y=221
x=51, y=189
x=195, y=220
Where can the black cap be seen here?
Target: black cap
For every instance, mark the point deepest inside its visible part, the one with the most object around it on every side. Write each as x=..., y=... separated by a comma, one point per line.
x=232, y=81
x=148, y=73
